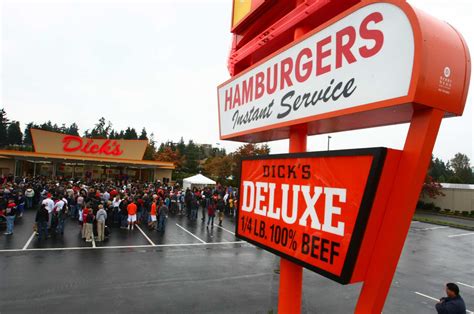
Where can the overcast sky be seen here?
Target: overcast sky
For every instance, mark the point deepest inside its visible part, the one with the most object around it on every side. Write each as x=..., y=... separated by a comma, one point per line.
x=156, y=64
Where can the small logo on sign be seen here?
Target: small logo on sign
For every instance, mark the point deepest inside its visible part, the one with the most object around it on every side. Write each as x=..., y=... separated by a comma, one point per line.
x=447, y=72
x=444, y=85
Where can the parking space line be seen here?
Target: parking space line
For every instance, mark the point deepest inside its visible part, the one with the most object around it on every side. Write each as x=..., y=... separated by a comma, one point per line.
x=225, y=229
x=437, y=300
x=122, y=246
x=465, y=284
x=433, y=228
x=460, y=235
x=29, y=240
x=191, y=233
x=426, y=296
x=146, y=237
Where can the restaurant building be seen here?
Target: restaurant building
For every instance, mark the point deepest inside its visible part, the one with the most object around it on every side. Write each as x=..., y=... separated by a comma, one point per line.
x=69, y=156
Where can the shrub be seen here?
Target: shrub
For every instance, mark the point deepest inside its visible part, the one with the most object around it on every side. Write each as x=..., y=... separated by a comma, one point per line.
x=465, y=213
x=429, y=206
x=420, y=205
x=437, y=208
x=447, y=210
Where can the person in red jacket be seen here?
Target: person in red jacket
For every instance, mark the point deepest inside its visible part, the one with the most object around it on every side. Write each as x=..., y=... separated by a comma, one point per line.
x=152, y=223
x=211, y=211
x=132, y=215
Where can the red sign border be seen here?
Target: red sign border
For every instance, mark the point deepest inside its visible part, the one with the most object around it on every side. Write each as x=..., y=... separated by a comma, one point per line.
x=375, y=172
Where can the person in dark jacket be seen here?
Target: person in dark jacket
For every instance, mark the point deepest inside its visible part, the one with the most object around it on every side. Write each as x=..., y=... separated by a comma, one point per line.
x=42, y=217
x=453, y=303
x=162, y=216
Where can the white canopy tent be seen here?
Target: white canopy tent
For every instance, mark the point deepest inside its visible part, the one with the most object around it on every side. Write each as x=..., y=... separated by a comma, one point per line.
x=198, y=180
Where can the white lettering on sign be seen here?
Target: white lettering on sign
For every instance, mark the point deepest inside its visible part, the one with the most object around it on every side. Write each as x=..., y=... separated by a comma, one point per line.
x=259, y=193
x=363, y=58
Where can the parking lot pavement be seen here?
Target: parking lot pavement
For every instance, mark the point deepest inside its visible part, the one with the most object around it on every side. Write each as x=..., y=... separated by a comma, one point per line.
x=21, y=233
x=429, y=260
x=190, y=269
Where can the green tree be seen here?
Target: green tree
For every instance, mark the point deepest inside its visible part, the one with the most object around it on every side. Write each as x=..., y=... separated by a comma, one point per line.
x=439, y=170
x=49, y=126
x=3, y=128
x=143, y=135
x=101, y=129
x=191, y=158
x=28, y=140
x=14, y=134
x=150, y=150
x=181, y=147
x=130, y=134
x=462, y=168
x=73, y=129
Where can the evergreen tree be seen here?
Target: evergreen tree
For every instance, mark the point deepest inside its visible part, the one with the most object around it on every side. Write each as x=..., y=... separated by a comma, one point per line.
x=28, y=140
x=73, y=129
x=100, y=130
x=130, y=134
x=150, y=151
x=181, y=147
x=143, y=135
x=3, y=128
x=191, y=155
x=14, y=134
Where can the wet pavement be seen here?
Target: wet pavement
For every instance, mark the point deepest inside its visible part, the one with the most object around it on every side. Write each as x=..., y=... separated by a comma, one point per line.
x=189, y=269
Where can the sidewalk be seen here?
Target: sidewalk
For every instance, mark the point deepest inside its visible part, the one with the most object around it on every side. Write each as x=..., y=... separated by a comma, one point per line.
x=453, y=221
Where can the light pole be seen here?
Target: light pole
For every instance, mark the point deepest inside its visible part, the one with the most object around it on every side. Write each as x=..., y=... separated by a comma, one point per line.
x=329, y=139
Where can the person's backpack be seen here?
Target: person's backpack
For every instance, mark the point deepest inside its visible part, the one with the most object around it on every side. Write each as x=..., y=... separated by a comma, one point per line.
x=220, y=204
x=90, y=218
x=10, y=211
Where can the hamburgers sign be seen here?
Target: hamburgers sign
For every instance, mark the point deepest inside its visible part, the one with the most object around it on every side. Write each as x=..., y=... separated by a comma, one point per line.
x=363, y=61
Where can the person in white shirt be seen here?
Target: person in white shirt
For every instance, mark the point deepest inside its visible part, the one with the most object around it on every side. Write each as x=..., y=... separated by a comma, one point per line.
x=106, y=196
x=116, y=209
x=60, y=210
x=48, y=202
x=29, y=194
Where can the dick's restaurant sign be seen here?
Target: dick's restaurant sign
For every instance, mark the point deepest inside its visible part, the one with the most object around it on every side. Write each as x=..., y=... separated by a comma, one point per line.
x=312, y=208
x=63, y=144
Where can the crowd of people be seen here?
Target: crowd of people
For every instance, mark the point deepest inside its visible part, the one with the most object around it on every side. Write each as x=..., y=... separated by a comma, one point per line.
x=99, y=205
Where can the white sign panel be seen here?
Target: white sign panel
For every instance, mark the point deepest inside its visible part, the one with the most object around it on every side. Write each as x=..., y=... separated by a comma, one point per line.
x=365, y=57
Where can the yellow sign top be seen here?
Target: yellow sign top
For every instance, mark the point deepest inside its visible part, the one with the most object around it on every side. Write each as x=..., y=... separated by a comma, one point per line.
x=241, y=9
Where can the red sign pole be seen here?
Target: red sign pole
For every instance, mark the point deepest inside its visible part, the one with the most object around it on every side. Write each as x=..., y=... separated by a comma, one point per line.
x=400, y=209
x=291, y=274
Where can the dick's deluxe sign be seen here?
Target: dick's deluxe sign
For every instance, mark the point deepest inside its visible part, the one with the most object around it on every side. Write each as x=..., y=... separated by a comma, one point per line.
x=311, y=208
x=363, y=58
